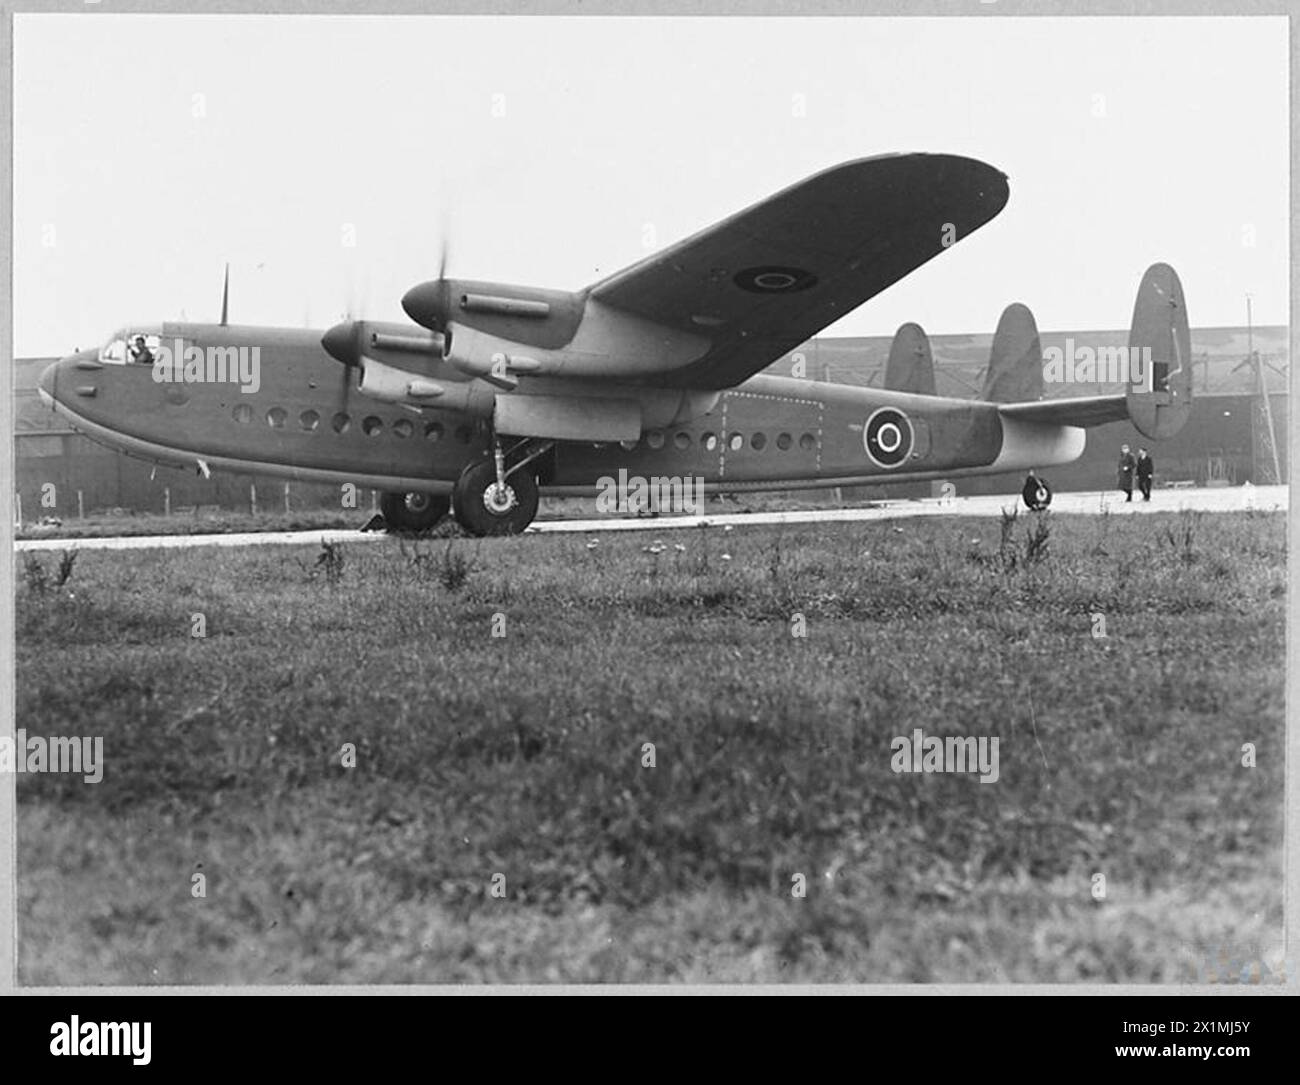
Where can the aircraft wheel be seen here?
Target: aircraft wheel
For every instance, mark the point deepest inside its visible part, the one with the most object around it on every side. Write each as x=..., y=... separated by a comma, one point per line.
x=1037, y=497
x=415, y=511
x=484, y=508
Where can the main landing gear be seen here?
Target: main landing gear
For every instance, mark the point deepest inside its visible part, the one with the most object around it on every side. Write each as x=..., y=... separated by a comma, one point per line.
x=414, y=511
x=498, y=496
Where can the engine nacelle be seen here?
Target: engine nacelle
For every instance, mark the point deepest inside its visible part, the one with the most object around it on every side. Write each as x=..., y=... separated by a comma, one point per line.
x=390, y=384
x=495, y=360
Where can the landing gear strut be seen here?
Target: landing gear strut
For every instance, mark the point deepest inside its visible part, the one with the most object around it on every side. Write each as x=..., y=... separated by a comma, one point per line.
x=414, y=511
x=498, y=496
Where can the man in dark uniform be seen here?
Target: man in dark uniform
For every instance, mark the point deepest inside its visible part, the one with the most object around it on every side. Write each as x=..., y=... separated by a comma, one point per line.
x=1127, y=465
x=140, y=352
x=1145, y=467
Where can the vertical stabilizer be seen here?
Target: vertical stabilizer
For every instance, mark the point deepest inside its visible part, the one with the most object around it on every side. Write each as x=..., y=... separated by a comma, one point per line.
x=1015, y=372
x=911, y=365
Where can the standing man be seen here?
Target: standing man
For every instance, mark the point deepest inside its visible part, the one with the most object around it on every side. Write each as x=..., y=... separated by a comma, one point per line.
x=1145, y=467
x=1127, y=466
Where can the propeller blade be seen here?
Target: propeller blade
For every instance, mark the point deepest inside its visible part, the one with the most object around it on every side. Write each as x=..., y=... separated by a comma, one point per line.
x=225, y=297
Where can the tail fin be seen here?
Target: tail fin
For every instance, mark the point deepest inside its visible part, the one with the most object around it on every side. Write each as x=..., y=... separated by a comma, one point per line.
x=1159, y=395
x=911, y=365
x=1015, y=373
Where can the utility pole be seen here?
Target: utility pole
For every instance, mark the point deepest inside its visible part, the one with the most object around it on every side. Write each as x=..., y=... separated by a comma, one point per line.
x=826, y=379
x=1264, y=411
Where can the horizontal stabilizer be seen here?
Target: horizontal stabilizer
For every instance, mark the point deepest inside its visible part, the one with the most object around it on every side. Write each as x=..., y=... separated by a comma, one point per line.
x=1070, y=410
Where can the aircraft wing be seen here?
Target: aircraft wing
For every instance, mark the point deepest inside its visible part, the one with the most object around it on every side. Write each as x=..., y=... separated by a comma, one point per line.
x=1071, y=411
x=761, y=282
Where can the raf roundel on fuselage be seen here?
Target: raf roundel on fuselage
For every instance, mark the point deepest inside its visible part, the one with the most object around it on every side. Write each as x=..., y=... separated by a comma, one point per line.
x=887, y=437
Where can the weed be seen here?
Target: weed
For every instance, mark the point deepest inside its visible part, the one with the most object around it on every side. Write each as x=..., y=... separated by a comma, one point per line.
x=330, y=561
x=34, y=575
x=1037, y=539
x=455, y=570
x=66, y=561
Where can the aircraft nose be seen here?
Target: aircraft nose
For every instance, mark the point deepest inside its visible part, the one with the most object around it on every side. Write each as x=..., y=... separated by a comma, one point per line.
x=60, y=380
x=48, y=383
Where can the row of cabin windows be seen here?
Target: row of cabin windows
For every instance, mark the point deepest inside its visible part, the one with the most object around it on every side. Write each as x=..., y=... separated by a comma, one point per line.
x=371, y=426
x=309, y=421
x=735, y=441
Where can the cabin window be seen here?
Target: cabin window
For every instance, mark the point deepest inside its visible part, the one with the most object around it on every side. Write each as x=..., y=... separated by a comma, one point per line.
x=341, y=422
x=758, y=442
x=682, y=441
x=628, y=446
x=655, y=438
x=783, y=441
x=131, y=348
x=433, y=431
x=243, y=413
x=463, y=434
x=709, y=441
x=402, y=428
x=275, y=417
x=807, y=442
x=309, y=420
x=142, y=349
x=736, y=441
x=371, y=426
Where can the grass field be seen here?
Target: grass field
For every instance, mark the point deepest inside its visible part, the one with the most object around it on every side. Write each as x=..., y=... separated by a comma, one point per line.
x=524, y=756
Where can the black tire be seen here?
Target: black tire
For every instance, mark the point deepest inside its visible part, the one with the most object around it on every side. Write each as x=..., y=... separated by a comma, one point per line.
x=474, y=496
x=1033, y=500
x=415, y=511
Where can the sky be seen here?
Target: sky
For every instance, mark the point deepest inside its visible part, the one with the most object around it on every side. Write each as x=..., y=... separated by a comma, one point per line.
x=326, y=159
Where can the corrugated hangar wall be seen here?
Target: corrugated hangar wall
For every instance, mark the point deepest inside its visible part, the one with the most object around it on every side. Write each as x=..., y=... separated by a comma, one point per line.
x=1222, y=444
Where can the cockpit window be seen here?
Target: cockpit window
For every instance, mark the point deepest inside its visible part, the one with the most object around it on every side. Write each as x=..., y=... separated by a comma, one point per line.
x=131, y=348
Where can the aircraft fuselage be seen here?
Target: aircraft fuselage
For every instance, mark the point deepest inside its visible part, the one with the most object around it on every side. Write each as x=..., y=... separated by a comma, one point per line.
x=300, y=420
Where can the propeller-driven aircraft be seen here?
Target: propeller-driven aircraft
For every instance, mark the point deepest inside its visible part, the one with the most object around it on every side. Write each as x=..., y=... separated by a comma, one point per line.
x=497, y=393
